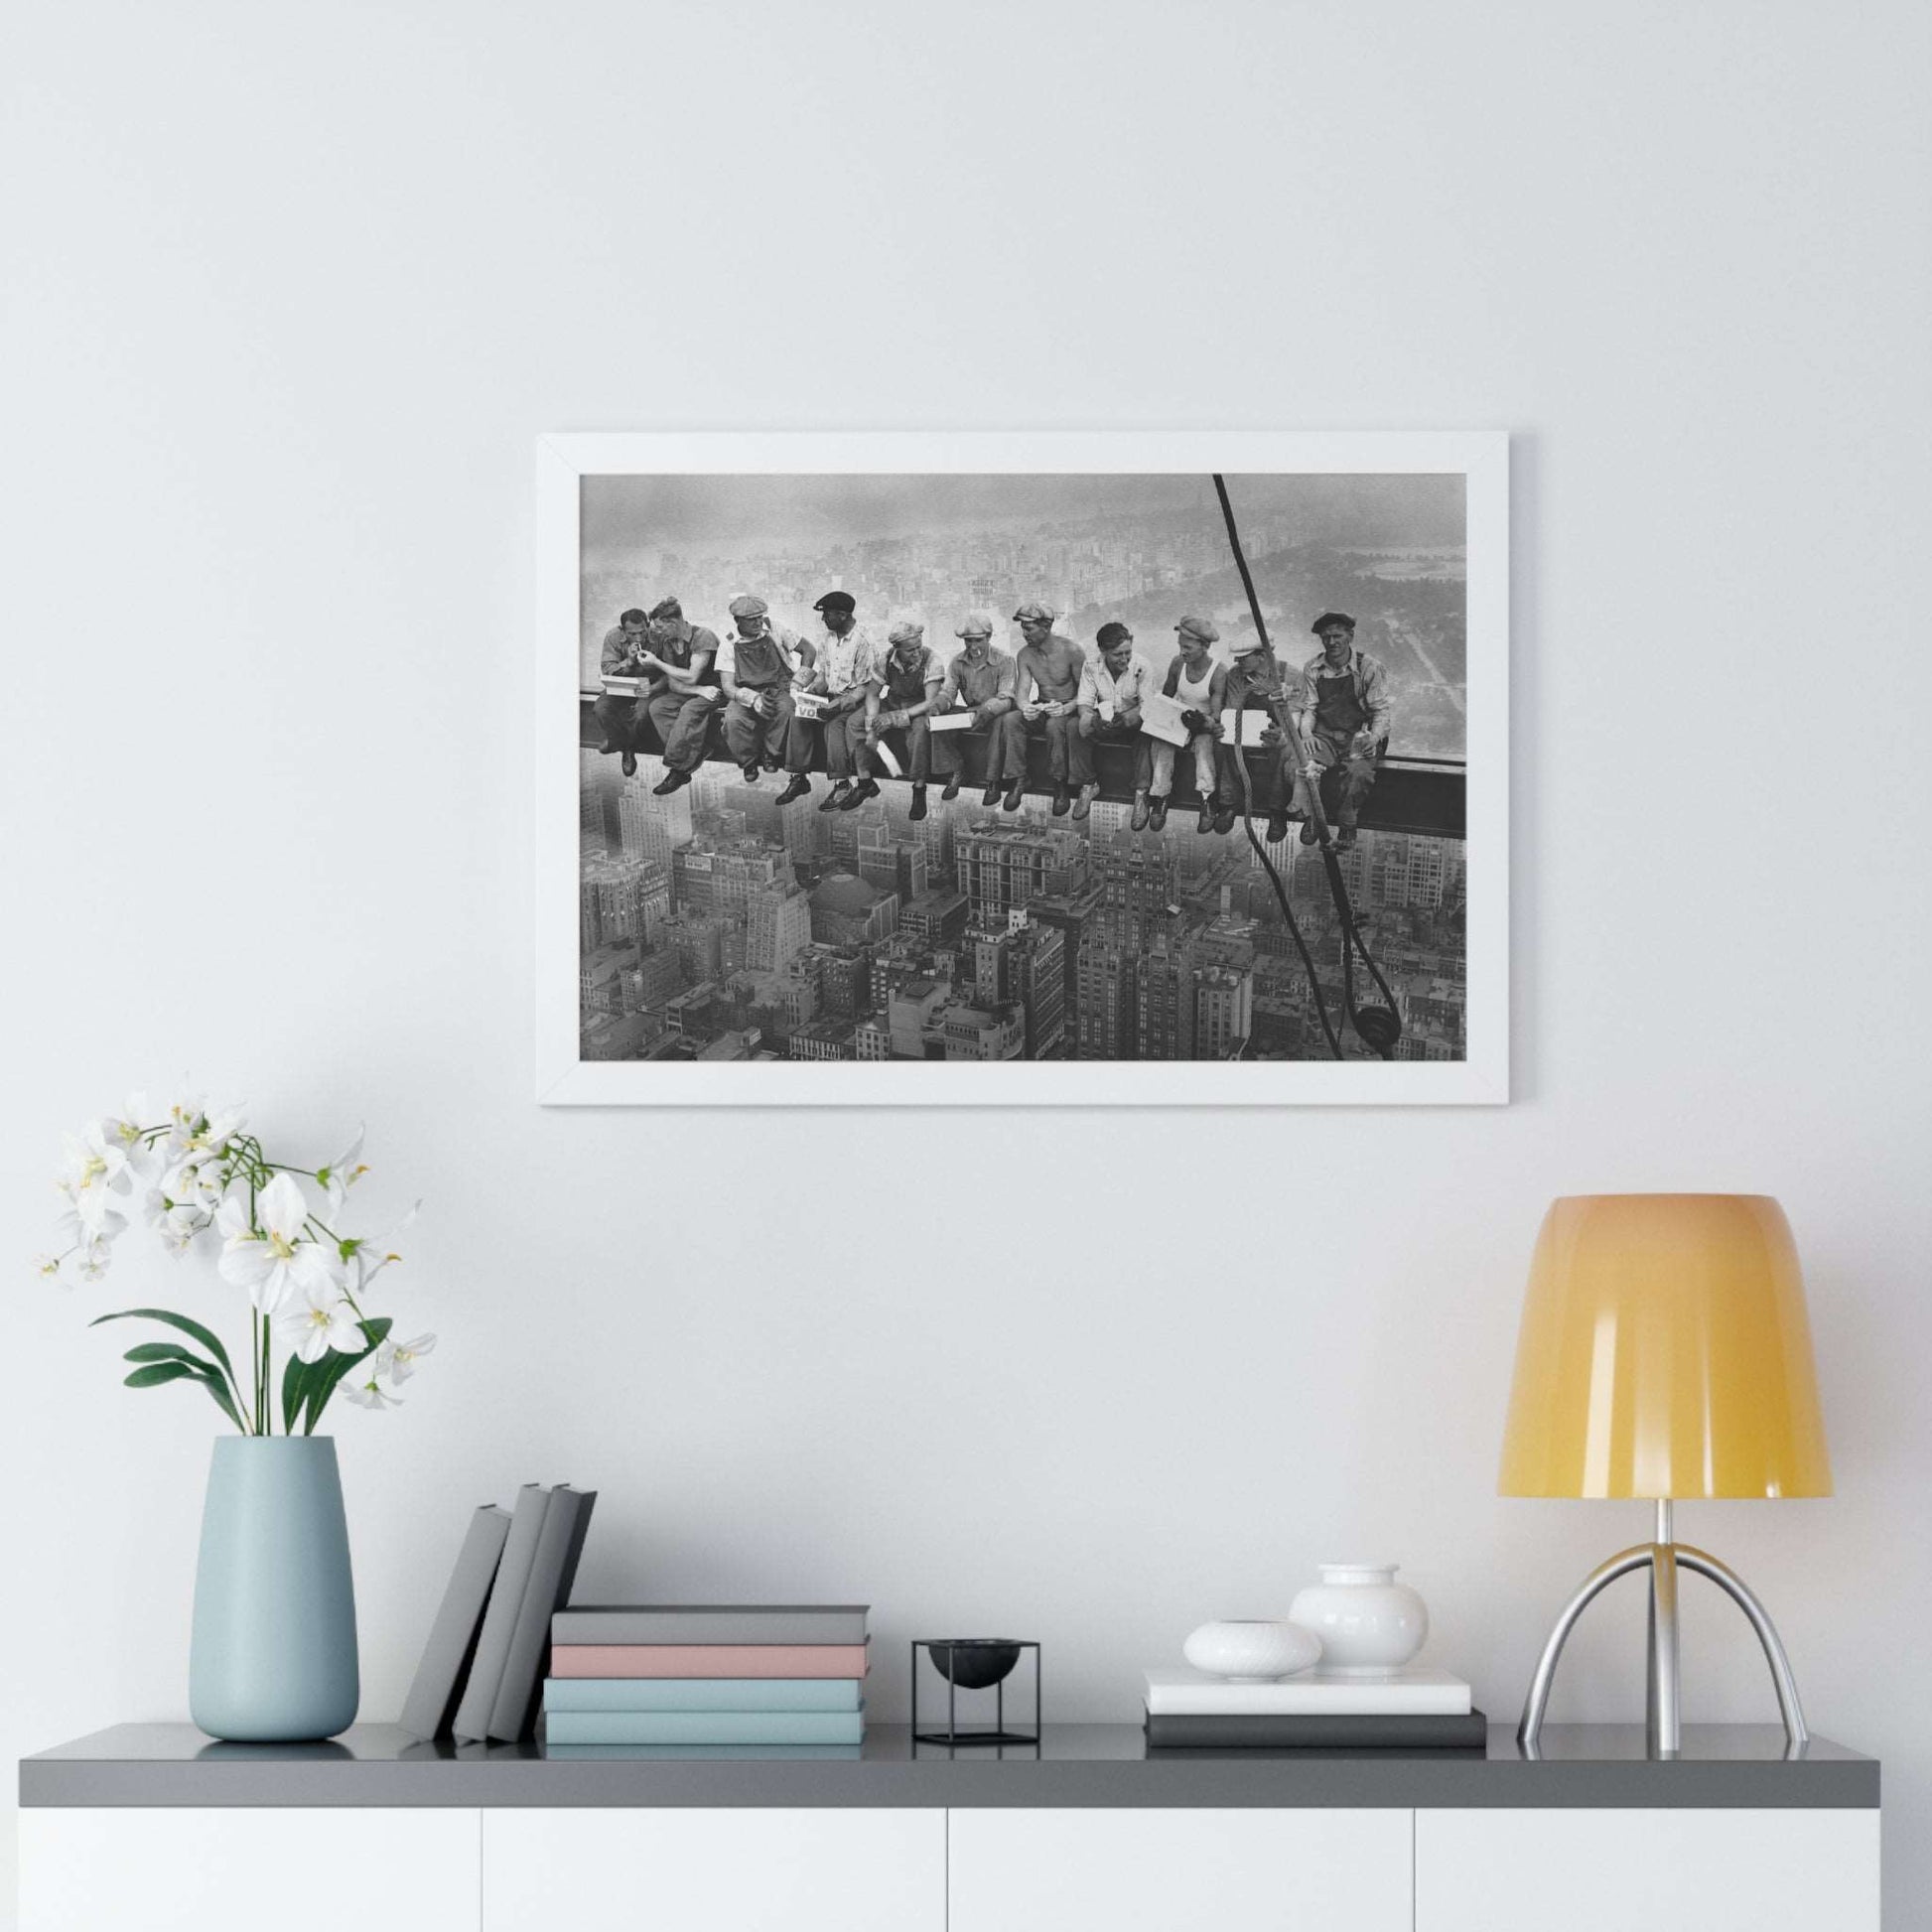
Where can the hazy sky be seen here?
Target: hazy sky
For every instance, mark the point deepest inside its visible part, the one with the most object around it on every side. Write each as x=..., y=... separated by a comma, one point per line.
x=743, y=515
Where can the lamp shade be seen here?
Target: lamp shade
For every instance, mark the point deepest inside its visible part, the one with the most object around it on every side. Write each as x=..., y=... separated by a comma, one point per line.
x=1665, y=1352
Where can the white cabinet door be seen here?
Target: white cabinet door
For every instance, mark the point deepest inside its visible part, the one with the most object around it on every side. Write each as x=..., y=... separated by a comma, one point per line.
x=714, y=1871
x=1180, y=1870
x=1661, y=1871
x=229, y=1870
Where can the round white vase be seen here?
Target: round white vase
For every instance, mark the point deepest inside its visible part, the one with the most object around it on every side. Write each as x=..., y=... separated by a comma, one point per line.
x=1251, y=1650
x=1369, y=1624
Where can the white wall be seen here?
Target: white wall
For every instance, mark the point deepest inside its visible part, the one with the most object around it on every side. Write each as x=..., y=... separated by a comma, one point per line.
x=287, y=298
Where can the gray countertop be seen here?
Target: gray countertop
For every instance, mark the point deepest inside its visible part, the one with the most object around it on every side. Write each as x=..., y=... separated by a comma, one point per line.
x=1595, y=1766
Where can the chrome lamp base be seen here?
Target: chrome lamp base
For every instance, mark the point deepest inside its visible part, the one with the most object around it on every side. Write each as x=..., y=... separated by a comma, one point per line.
x=1663, y=1721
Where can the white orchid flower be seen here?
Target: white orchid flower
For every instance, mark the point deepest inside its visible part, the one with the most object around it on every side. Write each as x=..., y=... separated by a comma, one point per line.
x=196, y=1134
x=402, y=1357
x=91, y=1261
x=130, y=1134
x=88, y=1221
x=272, y=1258
x=48, y=1266
x=319, y=1318
x=362, y=1386
x=96, y=1166
x=343, y=1173
x=177, y=1224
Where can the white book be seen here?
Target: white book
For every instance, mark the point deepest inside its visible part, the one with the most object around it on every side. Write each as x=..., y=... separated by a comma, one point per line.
x=952, y=720
x=1252, y=723
x=1408, y=1693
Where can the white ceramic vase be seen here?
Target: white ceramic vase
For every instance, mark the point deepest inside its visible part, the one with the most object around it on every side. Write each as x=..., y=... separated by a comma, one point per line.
x=1369, y=1624
x=1251, y=1650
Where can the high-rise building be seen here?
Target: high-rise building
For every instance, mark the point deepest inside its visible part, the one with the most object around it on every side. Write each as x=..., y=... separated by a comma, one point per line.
x=911, y=1016
x=1163, y=996
x=1223, y=1011
x=845, y=985
x=1137, y=880
x=899, y=865
x=934, y=918
x=651, y=827
x=698, y=943
x=619, y=899
x=1026, y=962
x=1001, y=867
x=777, y=922
x=1105, y=997
x=1069, y=915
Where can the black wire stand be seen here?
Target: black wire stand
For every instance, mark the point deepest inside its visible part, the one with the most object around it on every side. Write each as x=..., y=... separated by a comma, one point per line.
x=957, y=1734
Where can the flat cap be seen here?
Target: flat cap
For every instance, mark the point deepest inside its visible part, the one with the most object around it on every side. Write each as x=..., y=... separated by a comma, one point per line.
x=1110, y=634
x=1249, y=640
x=1033, y=613
x=1202, y=628
x=1329, y=620
x=837, y=600
x=977, y=625
x=667, y=607
x=906, y=634
x=747, y=606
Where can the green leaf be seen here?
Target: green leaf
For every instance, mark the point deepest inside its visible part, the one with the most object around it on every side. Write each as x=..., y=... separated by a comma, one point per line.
x=157, y=1373
x=165, y=1351
x=326, y=1374
x=205, y=1336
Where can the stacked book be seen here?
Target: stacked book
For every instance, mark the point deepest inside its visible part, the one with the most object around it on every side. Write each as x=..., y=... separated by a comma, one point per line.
x=1409, y=1709
x=784, y=1679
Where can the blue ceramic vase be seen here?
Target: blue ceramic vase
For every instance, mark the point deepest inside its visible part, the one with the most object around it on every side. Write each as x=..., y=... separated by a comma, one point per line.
x=273, y=1655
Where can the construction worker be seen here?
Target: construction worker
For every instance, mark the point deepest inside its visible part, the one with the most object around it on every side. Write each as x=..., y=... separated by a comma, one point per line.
x=1046, y=688
x=683, y=690
x=621, y=717
x=1112, y=686
x=840, y=678
x=900, y=693
x=1254, y=682
x=758, y=665
x=981, y=677
x=1197, y=683
x=1344, y=716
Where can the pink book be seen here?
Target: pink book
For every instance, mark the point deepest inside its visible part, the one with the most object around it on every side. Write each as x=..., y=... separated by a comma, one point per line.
x=708, y=1660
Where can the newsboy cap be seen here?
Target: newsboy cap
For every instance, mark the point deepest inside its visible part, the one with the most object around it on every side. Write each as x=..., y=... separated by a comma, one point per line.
x=1033, y=613
x=747, y=606
x=667, y=607
x=1248, y=641
x=1110, y=634
x=1330, y=618
x=1202, y=628
x=906, y=634
x=977, y=625
x=837, y=600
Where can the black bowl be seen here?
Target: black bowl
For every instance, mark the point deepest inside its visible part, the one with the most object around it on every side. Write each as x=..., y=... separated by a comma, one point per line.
x=974, y=1663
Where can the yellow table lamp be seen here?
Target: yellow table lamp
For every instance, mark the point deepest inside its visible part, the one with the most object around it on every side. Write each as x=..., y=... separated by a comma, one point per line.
x=1665, y=1353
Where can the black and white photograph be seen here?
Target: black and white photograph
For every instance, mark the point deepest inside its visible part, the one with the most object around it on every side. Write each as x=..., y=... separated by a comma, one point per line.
x=931, y=773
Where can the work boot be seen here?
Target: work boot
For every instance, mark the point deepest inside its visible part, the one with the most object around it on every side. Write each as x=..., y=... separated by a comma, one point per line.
x=1142, y=812
x=1310, y=835
x=1206, y=823
x=834, y=800
x=774, y=765
x=991, y=796
x=751, y=769
x=1224, y=820
x=1344, y=835
x=952, y=790
x=1158, y=816
x=858, y=795
x=629, y=762
x=1062, y=798
x=1083, y=804
x=1278, y=826
x=918, y=808
x=672, y=781
x=1016, y=795
x=799, y=787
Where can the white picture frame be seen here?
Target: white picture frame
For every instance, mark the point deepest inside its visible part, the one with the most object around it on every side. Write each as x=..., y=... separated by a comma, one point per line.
x=565, y=461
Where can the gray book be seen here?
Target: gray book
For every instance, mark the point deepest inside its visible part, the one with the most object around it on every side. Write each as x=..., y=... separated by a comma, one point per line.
x=500, y=1619
x=553, y=1569
x=431, y=1702
x=1371, y=1731
x=709, y=1623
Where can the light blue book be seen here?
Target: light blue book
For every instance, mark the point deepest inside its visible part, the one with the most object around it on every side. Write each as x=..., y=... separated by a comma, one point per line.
x=705, y=1726
x=703, y=1693
x=690, y=1753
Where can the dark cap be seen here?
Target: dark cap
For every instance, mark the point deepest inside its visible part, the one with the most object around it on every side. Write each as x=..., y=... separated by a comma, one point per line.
x=1330, y=618
x=837, y=600
x=666, y=607
x=1110, y=634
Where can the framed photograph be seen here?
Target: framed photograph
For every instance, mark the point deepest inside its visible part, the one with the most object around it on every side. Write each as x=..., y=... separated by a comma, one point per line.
x=984, y=770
